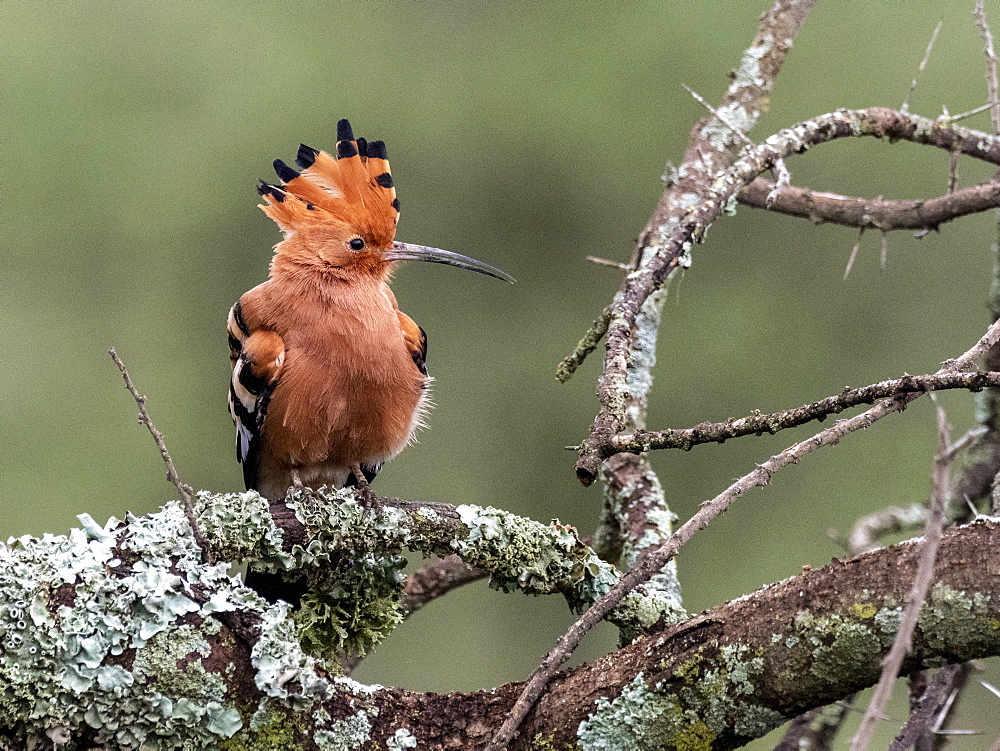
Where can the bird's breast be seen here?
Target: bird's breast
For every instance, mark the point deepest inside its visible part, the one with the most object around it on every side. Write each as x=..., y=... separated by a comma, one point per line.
x=349, y=391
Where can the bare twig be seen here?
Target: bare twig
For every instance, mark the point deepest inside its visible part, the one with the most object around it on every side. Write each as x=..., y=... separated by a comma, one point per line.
x=869, y=529
x=436, y=579
x=184, y=490
x=880, y=214
x=952, y=172
x=920, y=68
x=757, y=424
x=610, y=264
x=918, y=594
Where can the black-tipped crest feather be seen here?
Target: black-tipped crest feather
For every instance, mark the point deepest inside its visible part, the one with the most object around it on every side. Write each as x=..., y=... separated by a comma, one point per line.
x=344, y=132
x=306, y=156
x=285, y=173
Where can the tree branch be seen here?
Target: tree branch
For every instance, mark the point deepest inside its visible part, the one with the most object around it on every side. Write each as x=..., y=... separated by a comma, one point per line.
x=713, y=197
x=757, y=424
x=158, y=666
x=875, y=213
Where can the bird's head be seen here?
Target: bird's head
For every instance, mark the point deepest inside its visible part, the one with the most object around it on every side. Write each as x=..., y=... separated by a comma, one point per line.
x=339, y=213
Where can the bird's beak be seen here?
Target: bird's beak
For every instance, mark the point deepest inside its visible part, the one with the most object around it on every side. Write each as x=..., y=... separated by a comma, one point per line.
x=407, y=252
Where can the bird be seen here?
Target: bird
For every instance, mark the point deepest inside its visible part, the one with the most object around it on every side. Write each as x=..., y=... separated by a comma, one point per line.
x=329, y=378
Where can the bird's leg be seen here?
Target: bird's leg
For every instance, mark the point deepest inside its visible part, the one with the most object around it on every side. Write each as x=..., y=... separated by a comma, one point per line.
x=298, y=486
x=370, y=500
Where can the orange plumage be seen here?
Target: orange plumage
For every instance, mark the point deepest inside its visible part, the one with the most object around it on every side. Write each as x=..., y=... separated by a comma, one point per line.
x=327, y=371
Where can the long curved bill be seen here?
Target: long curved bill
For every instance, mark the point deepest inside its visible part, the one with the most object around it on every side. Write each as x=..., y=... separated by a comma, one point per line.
x=407, y=252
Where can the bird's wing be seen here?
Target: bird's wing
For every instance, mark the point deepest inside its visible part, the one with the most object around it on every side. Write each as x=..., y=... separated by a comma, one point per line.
x=416, y=340
x=257, y=358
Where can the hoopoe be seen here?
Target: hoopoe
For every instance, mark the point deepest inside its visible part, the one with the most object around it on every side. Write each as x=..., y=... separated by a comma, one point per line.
x=327, y=373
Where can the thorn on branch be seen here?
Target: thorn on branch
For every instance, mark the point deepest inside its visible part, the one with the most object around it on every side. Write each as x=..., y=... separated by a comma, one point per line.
x=611, y=264
x=854, y=253
x=920, y=68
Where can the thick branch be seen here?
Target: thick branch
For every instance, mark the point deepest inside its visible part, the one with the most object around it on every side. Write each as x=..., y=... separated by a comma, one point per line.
x=874, y=213
x=157, y=666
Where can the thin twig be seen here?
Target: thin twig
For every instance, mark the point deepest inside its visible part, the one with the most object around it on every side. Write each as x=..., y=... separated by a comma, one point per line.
x=949, y=118
x=918, y=593
x=655, y=561
x=816, y=729
x=588, y=344
x=920, y=68
x=184, y=490
x=952, y=171
x=758, y=424
x=871, y=528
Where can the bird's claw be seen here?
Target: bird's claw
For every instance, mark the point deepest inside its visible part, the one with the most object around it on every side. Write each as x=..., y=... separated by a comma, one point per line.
x=369, y=500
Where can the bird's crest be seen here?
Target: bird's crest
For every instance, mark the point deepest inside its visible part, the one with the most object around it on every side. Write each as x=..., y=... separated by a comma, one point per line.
x=351, y=192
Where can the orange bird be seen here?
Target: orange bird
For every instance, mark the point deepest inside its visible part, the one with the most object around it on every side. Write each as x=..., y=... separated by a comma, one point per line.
x=329, y=376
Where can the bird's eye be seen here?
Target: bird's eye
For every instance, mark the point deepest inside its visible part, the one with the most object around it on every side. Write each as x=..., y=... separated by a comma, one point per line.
x=357, y=243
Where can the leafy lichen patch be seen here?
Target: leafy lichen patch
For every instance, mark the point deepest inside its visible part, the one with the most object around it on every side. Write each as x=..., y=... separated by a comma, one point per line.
x=122, y=656
x=707, y=698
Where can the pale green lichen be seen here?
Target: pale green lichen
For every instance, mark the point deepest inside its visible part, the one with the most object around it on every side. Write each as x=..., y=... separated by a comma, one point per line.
x=522, y=554
x=345, y=735
x=626, y=723
x=63, y=660
x=401, y=740
x=706, y=699
x=840, y=645
x=240, y=527
x=721, y=131
x=283, y=669
x=887, y=619
x=748, y=72
x=955, y=618
x=660, y=600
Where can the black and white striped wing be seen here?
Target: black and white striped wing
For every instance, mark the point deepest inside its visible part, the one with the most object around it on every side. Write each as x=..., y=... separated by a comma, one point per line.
x=257, y=359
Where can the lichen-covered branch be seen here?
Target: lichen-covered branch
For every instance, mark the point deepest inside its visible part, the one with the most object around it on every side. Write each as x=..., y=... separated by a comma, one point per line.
x=119, y=635
x=758, y=424
x=713, y=146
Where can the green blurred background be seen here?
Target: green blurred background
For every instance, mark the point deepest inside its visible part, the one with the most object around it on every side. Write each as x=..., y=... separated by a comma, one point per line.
x=528, y=135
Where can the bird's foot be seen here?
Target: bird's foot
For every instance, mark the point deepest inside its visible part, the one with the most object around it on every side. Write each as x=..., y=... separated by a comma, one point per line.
x=368, y=497
x=299, y=488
